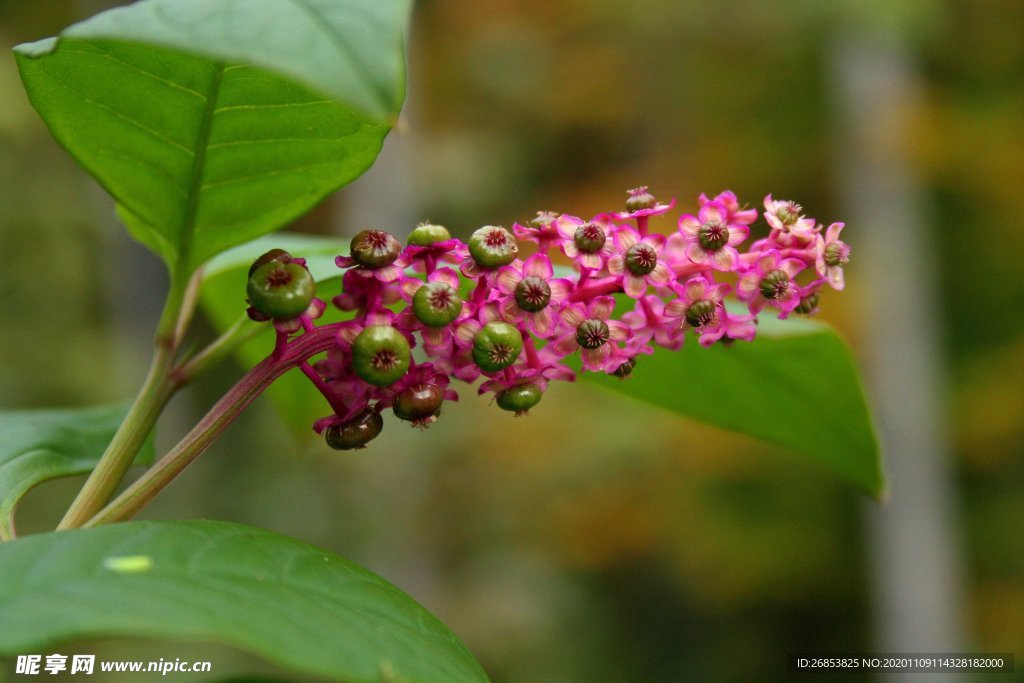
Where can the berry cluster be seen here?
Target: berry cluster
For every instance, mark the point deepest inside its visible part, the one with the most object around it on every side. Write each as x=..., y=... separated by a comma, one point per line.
x=518, y=324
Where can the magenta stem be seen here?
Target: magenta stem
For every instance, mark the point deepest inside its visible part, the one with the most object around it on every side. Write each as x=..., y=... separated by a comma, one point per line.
x=337, y=404
x=605, y=285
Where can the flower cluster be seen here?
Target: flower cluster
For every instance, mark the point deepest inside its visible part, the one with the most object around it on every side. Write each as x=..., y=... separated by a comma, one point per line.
x=477, y=309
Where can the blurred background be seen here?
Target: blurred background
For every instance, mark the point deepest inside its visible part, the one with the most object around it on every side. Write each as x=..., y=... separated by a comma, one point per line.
x=600, y=540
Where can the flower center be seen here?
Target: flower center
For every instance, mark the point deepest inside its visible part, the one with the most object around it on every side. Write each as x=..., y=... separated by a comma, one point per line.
x=592, y=333
x=589, y=238
x=495, y=238
x=533, y=294
x=641, y=259
x=788, y=212
x=702, y=312
x=278, y=277
x=775, y=285
x=385, y=359
x=502, y=354
x=441, y=297
x=712, y=236
x=836, y=254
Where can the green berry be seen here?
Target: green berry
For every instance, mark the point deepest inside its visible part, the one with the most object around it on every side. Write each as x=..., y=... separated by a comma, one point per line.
x=419, y=402
x=496, y=346
x=701, y=312
x=808, y=304
x=641, y=258
x=519, y=399
x=375, y=248
x=436, y=304
x=355, y=433
x=272, y=256
x=380, y=355
x=493, y=247
x=426, y=234
x=626, y=369
x=281, y=291
x=532, y=294
x=775, y=284
x=592, y=333
x=589, y=238
x=640, y=198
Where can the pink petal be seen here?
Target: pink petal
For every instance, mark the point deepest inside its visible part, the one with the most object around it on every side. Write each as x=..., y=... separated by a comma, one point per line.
x=566, y=344
x=634, y=285
x=593, y=359
x=618, y=331
x=560, y=290
x=690, y=225
x=737, y=234
x=616, y=265
x=713, y=211
x=508, y=278
x=725, y=259
x=792, y=266
x=410, y=287
x=447, y=276
x=511, y=312
x=768, y=262
x=466, y=332
x=695, y=253
x=626, y=238
x=569, y=248
x=573, y=315
x=675, y=308
x=538, y=265
x=542, y=322
x=695, y=288
x=435, y=336
x=835, y=278
x=747, y=287
x=601, y=307
x=592, y=261
x=660, y=275
x=656, y=240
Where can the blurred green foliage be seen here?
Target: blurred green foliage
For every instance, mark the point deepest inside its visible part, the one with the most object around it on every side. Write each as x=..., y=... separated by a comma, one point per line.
x=605, y=542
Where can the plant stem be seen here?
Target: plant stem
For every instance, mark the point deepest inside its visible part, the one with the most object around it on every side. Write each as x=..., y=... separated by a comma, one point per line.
x=251, y=385
x=241, y=331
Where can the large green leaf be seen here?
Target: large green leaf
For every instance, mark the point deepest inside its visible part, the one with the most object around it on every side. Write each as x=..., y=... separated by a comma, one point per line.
x=297, y=606
x=223, y=301
x=38, y=445
x=795, y=385
x=214, y=121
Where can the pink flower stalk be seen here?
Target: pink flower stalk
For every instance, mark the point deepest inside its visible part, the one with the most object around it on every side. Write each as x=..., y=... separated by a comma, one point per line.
x=592, y=332
x=709, y=238
x=655, y=209
x=770, y=283
x=831, y=254
x=424, y=259
x=650, y=320
x=424, y=374
x=638, y=261
x=530, y=293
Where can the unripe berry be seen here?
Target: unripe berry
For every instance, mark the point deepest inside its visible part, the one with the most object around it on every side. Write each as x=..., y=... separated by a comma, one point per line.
x=808, y=304
x=274, y=255
x=281, y=291
x=493, y=247
x=775, y=284
x=419, y=402
x=426, y=234
x=496, y=346
x=589, y=238
x=641, y=258
x=532, y=294
x=701, y=312
x=380, y=355
x=355, y=433
x=592, y=333
x=626, y=369
x=520, y=398
x=375, y=248
x=640, y=198
x=436, y=304
x=713, y=235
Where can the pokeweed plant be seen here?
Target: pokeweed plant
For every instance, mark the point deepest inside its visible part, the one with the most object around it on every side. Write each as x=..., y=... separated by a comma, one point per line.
x=214, y=122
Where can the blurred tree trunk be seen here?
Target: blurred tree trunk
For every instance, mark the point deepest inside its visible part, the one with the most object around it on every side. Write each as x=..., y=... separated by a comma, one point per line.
x=917, y=568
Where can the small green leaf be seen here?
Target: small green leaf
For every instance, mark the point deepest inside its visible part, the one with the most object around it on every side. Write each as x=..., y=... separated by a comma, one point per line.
x=300, y=607
x=38, y=445
x=795, y=385
x=211, y=122
x=223, y=301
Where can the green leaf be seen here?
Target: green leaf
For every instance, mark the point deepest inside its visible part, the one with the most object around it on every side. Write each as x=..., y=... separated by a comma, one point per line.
x=297, y=606
x=795, y=385
x=223, y=301
x=38, y=445
x=212, y=122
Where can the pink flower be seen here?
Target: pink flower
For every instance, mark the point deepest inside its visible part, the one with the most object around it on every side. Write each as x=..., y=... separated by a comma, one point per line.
x=591, y=331
x=638, y=262
x=734, y=214
x=424, y=374
x=701, y=308
x=425, y=258
x=530, y=294
x=646, y=205
x=786, y=218
x=649, y=320
x=709, y=237
x=589, y=243
x=383, y=274
x=831, y=253
x=542, y=231
x=770, y=283
x=407, y=320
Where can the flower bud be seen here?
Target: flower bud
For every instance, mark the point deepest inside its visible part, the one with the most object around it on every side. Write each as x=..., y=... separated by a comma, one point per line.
x=836, y=254
x=418, y=403
x=492, y=247
x=533, y=294
x=701, y=312
x=375, y=249
x=436, y=304
x=281, y=291
x=808, y=304
x=380, y=355
x=589, y=238
x=520, y=398
x=712, y=236
x=592, y=333
x=426, y=234
x=626, y=369
x=496, y=346
x=640, y=198
x=355, y=433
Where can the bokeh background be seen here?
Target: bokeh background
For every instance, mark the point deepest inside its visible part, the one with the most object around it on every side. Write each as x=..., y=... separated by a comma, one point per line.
x=600, y=540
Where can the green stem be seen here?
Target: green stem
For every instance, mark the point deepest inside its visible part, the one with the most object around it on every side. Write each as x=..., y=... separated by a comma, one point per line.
x=220, y=348
x=230, y=406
